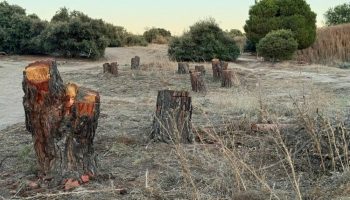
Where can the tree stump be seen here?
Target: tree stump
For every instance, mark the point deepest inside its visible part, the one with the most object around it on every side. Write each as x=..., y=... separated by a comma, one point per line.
x=215, y=63
x=183, y=68
x=78, y=127
x=197, y=82
x=227, y=78
x=111, y=68
x=62, y=120
x=135, y=62
x=200, y=68
x=223, y=65
x=172, y=123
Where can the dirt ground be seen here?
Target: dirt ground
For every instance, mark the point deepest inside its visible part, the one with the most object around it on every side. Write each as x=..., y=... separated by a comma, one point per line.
x=232, y=162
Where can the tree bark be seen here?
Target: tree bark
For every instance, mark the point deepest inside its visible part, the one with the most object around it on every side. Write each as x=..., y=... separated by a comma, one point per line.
x=172, y=123
x=62, y=120
x=111, y=68
x=197, y=82
x=200, y=68
x=183, y=68
x=135, y=62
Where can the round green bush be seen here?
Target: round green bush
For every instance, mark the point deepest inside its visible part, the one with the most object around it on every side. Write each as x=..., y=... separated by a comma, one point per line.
x=204, y=41
x=294, y=15
x=278, y=45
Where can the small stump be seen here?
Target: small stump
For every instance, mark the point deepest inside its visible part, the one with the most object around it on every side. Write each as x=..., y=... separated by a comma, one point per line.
x=227, y=78
x=223, y=65
x=183, y=68
x=197, y=82
x=200, y=68
x=111, y=68
x=135, y=62
x=216, y=67
x=62, y=120
x=172, y=123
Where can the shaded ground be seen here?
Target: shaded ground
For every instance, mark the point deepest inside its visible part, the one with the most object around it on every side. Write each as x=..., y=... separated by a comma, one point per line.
x=239, y=163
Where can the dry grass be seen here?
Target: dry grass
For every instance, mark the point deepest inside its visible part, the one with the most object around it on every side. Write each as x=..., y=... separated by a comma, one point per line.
x=332, y=46
x=229, y=161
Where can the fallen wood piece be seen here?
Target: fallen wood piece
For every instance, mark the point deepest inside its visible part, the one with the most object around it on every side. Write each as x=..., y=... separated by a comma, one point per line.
x=172, y=123
x=270, y=127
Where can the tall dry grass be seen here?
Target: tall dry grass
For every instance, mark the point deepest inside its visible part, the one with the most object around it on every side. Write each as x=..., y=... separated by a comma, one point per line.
x=332, y=46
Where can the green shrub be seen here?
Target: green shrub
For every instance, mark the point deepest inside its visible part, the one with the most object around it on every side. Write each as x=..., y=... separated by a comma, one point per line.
x=156, y=35
x=135, y=40
x=18, y=31
x=278, y=45
x=204, y=41
x=69, y=34
x=294, y=15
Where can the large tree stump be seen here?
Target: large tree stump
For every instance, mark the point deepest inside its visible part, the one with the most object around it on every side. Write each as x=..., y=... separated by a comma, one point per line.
x=135, y=62
x=197, y=82
x=111, y=68
x=62, y=120
x=183, y=68
x=172, y=123
x=200, y=68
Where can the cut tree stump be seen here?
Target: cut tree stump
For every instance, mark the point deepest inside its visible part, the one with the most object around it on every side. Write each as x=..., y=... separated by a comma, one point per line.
x=227, y=78
x=183, y=68
x=111, y=68
x=200, y=68
x=223, y=65
x=135, y=62
x=172, y=123
x=62, y=120
x=216, y=67
x=197, y=81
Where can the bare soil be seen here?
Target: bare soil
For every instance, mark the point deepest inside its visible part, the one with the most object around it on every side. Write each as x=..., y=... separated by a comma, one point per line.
x=231, y=161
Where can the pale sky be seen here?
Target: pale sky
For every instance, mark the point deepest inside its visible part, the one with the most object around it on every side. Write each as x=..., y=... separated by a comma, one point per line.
x=173, y=15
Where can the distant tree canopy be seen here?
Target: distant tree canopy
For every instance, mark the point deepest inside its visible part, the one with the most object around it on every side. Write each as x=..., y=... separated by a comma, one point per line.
x=338, y=15
x=153, y=35
x=294, y=15
x=235, y=33
x=69, y=34
x=204, y=41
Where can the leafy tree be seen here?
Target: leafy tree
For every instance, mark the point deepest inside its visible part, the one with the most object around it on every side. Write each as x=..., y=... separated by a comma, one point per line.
x=294, y=15
x=338, y=15
x=278, y=45
x=204, y=41
x=152, y=34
